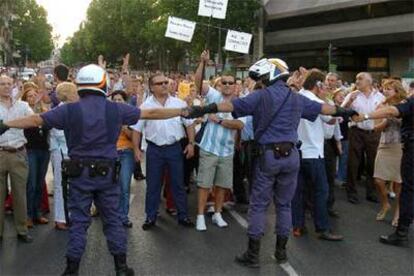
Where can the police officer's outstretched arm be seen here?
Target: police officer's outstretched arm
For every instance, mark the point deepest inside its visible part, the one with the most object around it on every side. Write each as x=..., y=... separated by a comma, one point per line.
x=162, y=113
x=25, y=122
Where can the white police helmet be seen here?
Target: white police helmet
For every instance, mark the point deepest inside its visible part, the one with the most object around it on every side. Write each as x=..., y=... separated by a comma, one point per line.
x=269, y=70
x=92, y=78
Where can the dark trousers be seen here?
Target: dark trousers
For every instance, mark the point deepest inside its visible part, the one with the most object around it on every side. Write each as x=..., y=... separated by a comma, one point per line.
x=158, y=158
x=239, y=190
x=105, y=194
x=312, y=179
x=407, y=189
x=330, y=150
x=190, y=164
x=247, y=161
x=361, y=142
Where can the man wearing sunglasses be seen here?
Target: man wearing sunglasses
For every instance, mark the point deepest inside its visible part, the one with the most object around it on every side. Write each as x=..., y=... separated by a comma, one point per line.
x=164, y=150
x=216, y=147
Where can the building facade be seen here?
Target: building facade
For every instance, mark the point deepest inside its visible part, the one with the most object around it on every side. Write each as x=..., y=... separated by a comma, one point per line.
x=346, y=36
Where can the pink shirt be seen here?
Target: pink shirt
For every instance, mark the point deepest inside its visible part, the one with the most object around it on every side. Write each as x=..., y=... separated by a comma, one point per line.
x=365, y=105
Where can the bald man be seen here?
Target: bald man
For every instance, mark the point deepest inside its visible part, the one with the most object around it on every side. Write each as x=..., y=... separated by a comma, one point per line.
x=363, y=140
x=13, y=160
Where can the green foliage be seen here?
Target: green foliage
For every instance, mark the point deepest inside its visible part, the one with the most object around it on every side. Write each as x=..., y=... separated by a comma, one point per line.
x=32, y=35
x=114, y=28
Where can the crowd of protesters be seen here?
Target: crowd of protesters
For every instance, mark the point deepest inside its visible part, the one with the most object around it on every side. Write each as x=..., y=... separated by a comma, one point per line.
x=212, y=154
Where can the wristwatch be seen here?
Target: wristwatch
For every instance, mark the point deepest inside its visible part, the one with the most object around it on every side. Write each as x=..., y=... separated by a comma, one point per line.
x=366, y=117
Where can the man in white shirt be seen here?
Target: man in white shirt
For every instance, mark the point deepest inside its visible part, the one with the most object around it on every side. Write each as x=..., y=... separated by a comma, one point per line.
x=363, y=140
x=164, y=150
x=312, y=175
x=13, y=160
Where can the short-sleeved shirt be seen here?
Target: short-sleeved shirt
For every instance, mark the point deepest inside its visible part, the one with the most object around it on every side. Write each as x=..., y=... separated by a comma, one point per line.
x=407, y=114
x=217, y=139
x=94, y=126
x=262, y=105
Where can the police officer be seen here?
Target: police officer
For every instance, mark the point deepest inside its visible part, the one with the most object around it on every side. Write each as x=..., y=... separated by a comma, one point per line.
x=406, y=112
x=92, y=127
x=276, y=113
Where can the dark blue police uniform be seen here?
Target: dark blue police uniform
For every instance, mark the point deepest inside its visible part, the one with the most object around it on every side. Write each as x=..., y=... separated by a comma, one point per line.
x=92, y=127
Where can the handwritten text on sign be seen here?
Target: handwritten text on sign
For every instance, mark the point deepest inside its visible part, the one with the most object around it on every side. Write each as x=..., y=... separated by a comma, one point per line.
x=238, y=42
x=214, y=8
x=180, y=29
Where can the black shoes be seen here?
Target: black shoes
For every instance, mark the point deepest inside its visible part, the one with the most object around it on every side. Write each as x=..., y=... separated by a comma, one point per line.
x=250, y=258
x=398, y=238
x=280, y=253
x=148, y=224
x=353, y=199
x=25, y=238
x=372, y=198
x=328, y=236
x=121, y=267
x=72, y=267
x=332, y=213
x=127, y=224
x=186, y=223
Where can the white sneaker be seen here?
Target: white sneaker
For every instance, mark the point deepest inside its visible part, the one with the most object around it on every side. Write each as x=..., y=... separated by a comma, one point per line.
x=201, y=223
x=219, y=221
x=210, y=210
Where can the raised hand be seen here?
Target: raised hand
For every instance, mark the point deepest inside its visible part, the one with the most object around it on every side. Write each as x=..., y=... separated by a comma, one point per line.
x=205, y=56
x=101, y=61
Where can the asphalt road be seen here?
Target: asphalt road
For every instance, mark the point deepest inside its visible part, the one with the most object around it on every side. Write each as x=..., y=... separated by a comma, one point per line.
x=170, y=249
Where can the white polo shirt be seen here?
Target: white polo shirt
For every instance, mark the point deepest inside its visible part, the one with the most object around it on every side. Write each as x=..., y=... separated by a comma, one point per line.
x=163, y=132
x=14, y=137
x=312, y=134
x=365, y=105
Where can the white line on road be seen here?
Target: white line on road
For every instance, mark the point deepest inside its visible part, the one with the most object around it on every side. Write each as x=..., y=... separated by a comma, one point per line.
x=287, y=267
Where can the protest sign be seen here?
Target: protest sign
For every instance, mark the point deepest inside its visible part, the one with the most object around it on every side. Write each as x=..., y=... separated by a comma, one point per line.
x=238, y=42
x=180, y=29
x=214, y=8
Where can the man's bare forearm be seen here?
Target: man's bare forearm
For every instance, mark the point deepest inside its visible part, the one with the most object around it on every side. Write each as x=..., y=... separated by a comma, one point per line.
x=26, y=122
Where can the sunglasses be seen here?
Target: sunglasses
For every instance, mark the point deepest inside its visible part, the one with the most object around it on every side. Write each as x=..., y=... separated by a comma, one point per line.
x=227, y=82
x=161, y=83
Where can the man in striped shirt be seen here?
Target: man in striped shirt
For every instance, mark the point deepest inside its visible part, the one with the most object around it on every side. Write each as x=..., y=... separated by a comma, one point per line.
x=216, y=148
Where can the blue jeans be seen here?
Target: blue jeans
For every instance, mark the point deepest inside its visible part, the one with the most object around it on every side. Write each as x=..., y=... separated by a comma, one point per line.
x=159, y=158
x=312, y=179
x=38, y=162
x=126, y=157
x=343, y=161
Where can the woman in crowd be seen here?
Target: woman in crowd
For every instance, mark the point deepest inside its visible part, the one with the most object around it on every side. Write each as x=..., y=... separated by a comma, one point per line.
x=125, y=149
x=388, y=160
x=38, y=157
x=66, y=92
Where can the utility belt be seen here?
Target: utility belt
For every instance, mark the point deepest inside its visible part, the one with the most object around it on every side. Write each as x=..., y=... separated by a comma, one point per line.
x=280, y=150
x=72, y=168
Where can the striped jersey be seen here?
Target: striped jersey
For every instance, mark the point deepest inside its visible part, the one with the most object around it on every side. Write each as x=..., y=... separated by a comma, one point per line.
x=217, y=139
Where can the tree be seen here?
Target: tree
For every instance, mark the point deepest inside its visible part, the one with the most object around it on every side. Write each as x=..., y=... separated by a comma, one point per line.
x=113, y=28
x=32, y=34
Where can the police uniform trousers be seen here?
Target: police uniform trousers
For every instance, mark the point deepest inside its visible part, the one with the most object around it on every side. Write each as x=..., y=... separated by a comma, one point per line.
x=407, y=188
x=273, y=177
x=105, y=194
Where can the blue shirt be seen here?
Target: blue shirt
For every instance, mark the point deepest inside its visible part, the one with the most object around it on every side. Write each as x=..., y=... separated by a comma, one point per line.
x=263, y=103
x=217, y=139
x=94, y=126
x=247, y=133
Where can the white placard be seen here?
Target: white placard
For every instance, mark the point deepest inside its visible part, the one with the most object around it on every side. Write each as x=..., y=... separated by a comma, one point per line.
x=214, y=8
x=180, y=29
x=238, y=42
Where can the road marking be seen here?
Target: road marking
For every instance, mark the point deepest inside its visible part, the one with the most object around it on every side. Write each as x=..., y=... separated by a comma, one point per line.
x=287, y=267
x=131, y=198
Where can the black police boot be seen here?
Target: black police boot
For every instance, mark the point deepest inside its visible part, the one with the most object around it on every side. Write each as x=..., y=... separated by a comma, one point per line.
x=250, y=258
x=121, y=267
x=398, y=238
x=72, y=267
x=280, y=253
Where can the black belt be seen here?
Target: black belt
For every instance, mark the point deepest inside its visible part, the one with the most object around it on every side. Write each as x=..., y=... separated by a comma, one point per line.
x=12, y=150
x=162, y=146
x=369, y=131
